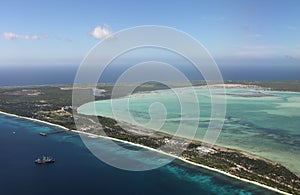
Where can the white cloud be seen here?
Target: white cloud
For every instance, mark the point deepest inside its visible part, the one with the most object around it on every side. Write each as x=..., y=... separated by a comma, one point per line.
x=9, y=35
x=101, y=32
x=14, y=36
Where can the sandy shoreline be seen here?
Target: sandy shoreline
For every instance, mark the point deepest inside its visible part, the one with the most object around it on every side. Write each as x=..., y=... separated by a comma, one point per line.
x=152, y=149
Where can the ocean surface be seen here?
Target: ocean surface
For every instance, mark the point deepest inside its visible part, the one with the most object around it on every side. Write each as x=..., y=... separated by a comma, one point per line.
x=65, y=74
x=261, y=122
x=77, y=171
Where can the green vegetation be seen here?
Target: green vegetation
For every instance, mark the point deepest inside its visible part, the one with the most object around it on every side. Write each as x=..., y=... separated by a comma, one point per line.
x=272, y=85
x=48, y=103
x=281, y=86
x=54, y=104
x=231, y=161
x=252, y=168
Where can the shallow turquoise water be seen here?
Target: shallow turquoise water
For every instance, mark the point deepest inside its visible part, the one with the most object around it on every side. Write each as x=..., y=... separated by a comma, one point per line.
x=267, y=126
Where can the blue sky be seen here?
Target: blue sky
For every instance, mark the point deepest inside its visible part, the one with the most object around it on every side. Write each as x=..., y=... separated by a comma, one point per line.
x=59, y=32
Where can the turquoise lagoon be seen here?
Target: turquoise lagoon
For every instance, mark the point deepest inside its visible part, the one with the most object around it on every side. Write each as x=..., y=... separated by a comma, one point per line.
x=261, y=122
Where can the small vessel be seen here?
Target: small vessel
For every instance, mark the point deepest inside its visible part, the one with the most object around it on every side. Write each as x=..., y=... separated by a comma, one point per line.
x=44, y=160
x=43, y=134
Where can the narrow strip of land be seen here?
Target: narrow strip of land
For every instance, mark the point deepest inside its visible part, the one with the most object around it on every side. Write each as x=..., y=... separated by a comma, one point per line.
x=52, y=105
x=148, y=148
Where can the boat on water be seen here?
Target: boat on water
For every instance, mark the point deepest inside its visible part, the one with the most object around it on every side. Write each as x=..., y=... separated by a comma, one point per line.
x=43, y=134
x=44, y=160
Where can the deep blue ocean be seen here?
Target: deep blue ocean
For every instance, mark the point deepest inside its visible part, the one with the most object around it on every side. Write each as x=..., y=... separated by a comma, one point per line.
x=77, y=171
x=65, y=74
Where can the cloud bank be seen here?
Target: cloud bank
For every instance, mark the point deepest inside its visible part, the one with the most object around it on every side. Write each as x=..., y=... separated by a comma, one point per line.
x=14, y=36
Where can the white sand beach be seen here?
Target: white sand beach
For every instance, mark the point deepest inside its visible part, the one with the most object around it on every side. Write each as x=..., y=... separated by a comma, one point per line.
x=142, y=146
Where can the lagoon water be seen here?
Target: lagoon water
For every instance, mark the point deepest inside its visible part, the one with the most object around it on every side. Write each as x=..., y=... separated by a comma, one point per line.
x=77, y=171
x=265, y=123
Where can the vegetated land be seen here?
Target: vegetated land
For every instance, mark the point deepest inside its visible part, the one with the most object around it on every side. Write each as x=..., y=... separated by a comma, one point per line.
x=275, y=85
x=235, y=162
x=54, y=104
x=281, y=86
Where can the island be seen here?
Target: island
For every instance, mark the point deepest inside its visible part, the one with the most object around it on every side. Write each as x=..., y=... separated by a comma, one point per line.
x=53, y=104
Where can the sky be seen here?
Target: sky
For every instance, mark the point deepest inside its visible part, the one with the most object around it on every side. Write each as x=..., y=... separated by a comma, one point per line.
x=62, y=32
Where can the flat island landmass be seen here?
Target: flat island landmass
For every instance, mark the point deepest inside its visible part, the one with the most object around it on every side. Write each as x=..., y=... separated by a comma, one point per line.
x=53, y=104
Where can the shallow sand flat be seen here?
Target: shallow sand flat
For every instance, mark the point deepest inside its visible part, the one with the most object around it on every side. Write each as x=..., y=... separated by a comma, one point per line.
x=259, y=125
